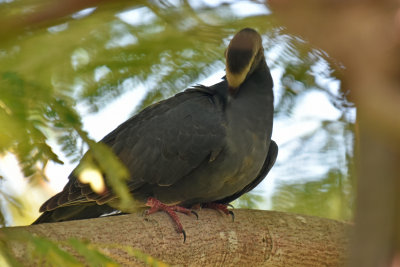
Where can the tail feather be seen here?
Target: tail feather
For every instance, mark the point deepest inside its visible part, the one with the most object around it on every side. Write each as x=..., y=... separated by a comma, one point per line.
x=75, y=212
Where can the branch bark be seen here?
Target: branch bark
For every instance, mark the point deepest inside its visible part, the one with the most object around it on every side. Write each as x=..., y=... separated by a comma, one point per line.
x=259, y=238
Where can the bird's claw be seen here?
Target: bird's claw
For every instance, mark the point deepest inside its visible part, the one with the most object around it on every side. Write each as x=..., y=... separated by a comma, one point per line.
x=184, y=236
x=156, y=205
x=232, y=214
x=195, y=214
x=220, y=207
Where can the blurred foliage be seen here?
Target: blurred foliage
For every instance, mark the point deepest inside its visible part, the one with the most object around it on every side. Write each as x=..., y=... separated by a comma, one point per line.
x=12, y=202
x=328, y=197
x=94, y=55
x=45, y=252
x=326, y=187
x=250, y=200
x=55, y=58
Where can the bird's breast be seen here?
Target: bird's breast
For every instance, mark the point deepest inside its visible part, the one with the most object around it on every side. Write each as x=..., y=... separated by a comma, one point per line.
x=246, y=157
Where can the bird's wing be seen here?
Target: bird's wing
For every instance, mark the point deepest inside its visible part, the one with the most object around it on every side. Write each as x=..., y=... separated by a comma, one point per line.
x=168, y=141
x=268, y=163
x=160, y=145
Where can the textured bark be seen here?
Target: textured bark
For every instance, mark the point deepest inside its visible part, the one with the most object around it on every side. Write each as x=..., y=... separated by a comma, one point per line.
x=258, y=238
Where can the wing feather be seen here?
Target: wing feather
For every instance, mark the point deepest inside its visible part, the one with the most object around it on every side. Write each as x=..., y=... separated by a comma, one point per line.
x=161, y=144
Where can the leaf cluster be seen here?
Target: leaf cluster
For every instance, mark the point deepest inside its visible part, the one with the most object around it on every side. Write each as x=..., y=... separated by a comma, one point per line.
x=72, y=252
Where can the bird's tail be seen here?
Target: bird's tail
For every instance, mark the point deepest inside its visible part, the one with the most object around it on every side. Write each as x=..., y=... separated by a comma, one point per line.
x=74, y=212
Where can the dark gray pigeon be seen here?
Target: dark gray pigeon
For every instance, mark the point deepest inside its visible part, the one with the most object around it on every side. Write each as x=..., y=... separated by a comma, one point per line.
x=205, y=146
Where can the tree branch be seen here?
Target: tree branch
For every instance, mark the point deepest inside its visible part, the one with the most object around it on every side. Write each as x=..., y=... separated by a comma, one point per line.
x=262, y=238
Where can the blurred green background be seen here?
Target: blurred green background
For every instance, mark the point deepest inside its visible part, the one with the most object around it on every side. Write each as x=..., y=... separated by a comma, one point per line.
x=70, y=72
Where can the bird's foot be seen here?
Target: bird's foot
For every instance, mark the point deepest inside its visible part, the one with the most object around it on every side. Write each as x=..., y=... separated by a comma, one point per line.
x=156, y=205
x=220, y=207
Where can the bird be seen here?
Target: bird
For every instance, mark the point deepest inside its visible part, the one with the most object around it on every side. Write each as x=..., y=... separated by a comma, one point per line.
x=206, y=146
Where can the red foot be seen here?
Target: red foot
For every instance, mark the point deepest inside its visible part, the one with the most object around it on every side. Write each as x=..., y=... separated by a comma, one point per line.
x=220, y=207
x=156, y=205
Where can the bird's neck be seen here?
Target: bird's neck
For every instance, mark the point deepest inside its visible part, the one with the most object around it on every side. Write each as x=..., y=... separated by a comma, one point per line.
x=262, y=76
x=253, y=102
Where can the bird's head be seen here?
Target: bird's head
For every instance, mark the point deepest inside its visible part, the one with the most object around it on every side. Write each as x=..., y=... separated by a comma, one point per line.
x=243, y=55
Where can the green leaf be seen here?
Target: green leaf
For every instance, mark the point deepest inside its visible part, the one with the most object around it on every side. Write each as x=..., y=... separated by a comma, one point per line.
x=92, y=255
x=147, y=259
x=49, y=251
x=42, y=250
